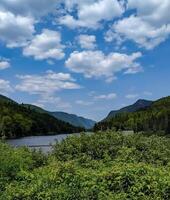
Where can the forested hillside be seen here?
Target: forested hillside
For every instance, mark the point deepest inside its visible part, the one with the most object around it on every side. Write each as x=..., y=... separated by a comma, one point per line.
x=154, y=118
x=5, y=99
x=66, y=117
x=141, y=103
x=18, y=121
x=74, y=119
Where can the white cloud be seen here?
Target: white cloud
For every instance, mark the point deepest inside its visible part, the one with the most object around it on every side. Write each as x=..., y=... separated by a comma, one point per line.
x=84, y=103
x=18, y=18
x=154, y=11
x=46, y=87
x=106, y=96
x=97, y=64
x=132, y=96
x=5, y=87
x=71, y=4
x=56, y=102
x=15, y=30
x=90, y=13
x=45, y=46
x=4, y=63
x=145, y=34
x=33, y=8
x=148, y=26
x=87, y=41
x=49, y=83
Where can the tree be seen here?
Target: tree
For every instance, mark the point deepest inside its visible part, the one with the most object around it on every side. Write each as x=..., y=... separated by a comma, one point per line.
x=6, y=126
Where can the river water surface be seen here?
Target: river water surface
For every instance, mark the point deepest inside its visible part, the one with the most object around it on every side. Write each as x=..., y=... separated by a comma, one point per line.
x=38, y=142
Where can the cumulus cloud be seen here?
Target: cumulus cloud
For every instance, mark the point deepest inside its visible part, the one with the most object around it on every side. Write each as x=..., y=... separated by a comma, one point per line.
x=90, y=13
x=46, y=87
x=148, y=26
x=155, y=11
x=33, y=8
x=46, y=45
x=5, y=87
x=18, y=18
x=4, y=63
x=97, y=64
x=15, y=31
x=56, y=102
x=49, y=83
x=106, y=96
x=87, y=41
x=145, y=34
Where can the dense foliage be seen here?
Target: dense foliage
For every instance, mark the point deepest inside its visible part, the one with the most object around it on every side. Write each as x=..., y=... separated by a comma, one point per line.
x=18, y=121
x=101, y=166
x=153, y=118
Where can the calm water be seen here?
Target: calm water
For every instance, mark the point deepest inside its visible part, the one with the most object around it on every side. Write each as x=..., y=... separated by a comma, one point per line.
x=38, y=142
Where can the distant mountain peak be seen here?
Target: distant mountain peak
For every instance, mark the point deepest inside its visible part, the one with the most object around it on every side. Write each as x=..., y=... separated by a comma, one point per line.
x=142, y=101
x=72, y=119
x=139, y=104
x=142, y=116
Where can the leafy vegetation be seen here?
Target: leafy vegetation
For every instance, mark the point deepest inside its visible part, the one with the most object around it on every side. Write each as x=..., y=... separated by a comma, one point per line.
x=100, y=166
x=155, y=118
x=18, y=121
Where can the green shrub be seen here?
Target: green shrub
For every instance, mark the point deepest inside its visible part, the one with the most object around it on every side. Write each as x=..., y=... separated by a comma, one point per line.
x=101, y=166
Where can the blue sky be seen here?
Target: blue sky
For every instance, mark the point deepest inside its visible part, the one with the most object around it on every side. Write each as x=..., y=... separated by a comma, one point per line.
x=84, y=57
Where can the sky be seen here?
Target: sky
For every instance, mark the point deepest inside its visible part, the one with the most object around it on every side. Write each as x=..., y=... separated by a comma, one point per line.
x=86, y=57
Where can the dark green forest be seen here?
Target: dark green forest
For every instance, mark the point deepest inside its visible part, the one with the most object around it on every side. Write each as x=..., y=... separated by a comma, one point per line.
x=155, y=118
x=100, y=166
x=17, y=121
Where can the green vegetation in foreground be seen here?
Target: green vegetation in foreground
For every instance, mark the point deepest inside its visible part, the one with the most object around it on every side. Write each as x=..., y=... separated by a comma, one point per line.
x=155, y=118
x=101, y=166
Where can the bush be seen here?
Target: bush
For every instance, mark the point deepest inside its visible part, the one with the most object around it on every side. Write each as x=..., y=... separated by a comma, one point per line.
x=101, y=166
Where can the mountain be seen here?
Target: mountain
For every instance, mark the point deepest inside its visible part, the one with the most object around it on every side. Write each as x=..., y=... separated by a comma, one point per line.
x=153, y=118
x=17, y=120
x=35, y=108
x=66, y=117
x=74, y=119
x=141, y=103
x=6, y=99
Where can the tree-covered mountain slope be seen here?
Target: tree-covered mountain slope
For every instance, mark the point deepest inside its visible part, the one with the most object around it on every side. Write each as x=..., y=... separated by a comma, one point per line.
x=74, y=119
x=5, y=99
x=141, y=103
x=35, y=108
x=155, y=117
x=66, y=117
x=17, y=121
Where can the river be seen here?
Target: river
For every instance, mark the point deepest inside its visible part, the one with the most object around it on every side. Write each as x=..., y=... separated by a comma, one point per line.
x=38, y=142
